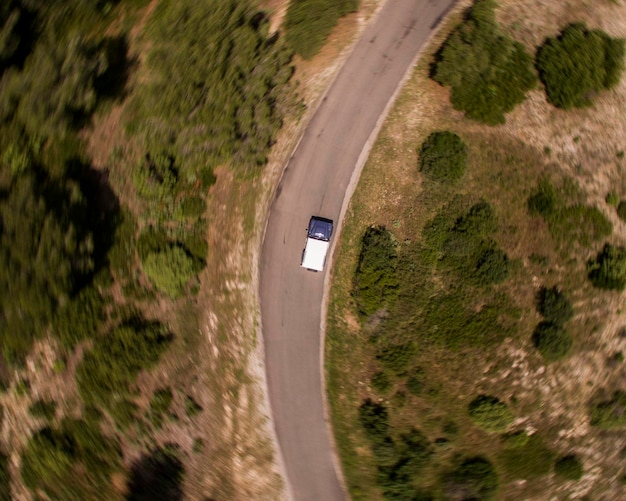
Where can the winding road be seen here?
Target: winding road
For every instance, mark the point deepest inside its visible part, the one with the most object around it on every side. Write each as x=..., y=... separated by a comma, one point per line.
x=316, y=181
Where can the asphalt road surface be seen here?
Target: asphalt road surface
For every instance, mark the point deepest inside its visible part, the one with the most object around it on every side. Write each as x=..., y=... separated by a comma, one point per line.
x=315, y=182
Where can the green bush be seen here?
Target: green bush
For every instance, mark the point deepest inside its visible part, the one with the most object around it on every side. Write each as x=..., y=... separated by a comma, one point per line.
x=578, y=64
x=569, y=467
x=569, y=224
x=125, y=413
x=443, y=156
x=309, y=22
x=488, y=72
x=376, y=280
x=381, y=382
x=610, y=413
x=192, y=408
x=156, y=177
x=552, y=341
x=529, y=458
x=608, y=269
x=612, y=199
x=415, y=381
x=170, y=270
x=72, y=463
x=108, y=370
x=160, y=405
x=490, y=413
x=43, y=409
x=192, y=207
x=81, y=318
x=554, y=306
x=151, y=239
x=544, y=200
x=493, y=266
x=396, y=357
x=374, y=419
x=474, y=477
x=621, y=210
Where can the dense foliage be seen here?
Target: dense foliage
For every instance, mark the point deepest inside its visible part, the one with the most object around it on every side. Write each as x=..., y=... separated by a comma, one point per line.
x=309, y=22
x=490, y=413
x=5, y=478
x=443, y=156
x=72, y=463
x=216, y=87
x=488, y=72
x=578, y=64
x=608, y=269
x=376, y=279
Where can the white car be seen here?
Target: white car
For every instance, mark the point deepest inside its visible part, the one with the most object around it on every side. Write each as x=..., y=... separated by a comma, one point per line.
x=317, y=243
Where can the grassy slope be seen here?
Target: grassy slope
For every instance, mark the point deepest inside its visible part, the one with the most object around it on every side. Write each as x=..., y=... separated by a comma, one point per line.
x=505, y=163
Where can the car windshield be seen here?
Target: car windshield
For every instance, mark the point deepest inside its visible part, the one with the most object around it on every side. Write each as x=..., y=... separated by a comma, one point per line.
x=320, y=228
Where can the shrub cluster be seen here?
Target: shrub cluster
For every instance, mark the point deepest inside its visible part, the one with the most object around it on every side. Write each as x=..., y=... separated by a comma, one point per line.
x=443, y=156
x=490, y=413
x=488, y=72
x=473, y=478
x=376, y=281
x=108, y=370
x=608, y=269
x=72, y=462
x=578, y=64
x=569, y=224
x=399, y=460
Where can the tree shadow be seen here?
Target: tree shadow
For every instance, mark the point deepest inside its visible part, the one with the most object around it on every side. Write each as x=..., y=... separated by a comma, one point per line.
x=157, y=476
x=112, y=84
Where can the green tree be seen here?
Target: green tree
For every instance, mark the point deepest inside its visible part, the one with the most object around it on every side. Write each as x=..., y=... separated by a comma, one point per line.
x=488, y=72
x=170, y=269
x=608, y=269
x=490, y=413
x=578, y=64
x=552, y=341
x=443, y=156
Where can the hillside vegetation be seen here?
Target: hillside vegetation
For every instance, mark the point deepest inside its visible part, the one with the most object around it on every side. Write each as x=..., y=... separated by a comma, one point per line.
x=101, y=262
x=476, y=351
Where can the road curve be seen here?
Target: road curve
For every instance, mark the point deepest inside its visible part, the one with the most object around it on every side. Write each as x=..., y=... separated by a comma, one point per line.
x=315, y=182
